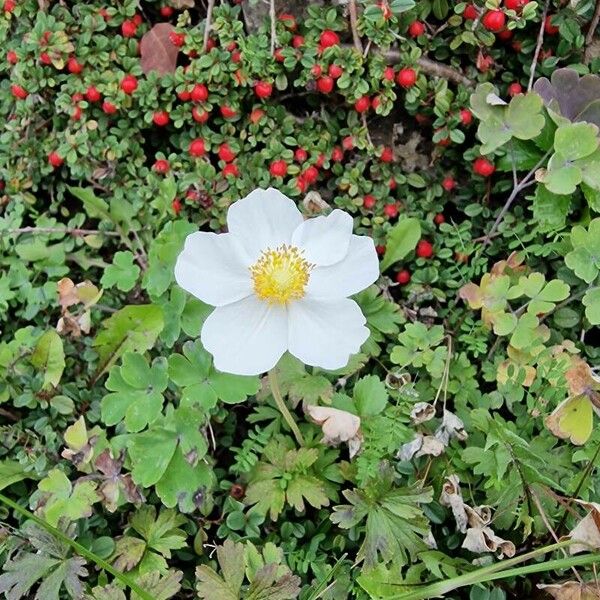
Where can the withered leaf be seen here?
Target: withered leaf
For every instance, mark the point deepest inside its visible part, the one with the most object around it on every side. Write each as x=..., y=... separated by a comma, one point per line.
x=338, y=426
x=157, y=51
x=571, y=590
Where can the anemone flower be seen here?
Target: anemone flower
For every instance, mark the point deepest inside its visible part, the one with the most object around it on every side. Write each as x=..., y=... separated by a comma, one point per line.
x=279, y=283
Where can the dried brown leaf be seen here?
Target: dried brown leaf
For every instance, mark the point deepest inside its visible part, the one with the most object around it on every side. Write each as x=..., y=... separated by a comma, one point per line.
x=571, y=590
x=338, y=426
x=157, y=51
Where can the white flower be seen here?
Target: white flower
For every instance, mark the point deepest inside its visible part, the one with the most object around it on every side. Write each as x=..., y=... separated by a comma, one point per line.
x=279, y=284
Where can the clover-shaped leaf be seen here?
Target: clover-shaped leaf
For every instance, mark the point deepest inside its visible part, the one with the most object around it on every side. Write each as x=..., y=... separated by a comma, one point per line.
x=136, y=390
x=202, y=384
x=123, y=273
x=522, y=119
x=584, y=259
x=543, y=295
x=570, y=97
x=576, y=140
x=591, y=301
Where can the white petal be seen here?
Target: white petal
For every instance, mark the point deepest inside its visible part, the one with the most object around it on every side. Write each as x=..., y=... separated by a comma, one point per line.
x=324, y=333
x=263, y=219
x=247, y=337
x=358, y=270
x=325, y=240
x=211, y=267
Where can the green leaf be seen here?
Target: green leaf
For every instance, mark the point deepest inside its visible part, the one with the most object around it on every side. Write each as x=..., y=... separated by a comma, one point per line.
x=131, y=329
x=12, y=471
x=370, y=396
x=61, y=499
x=524, y=334
x=394, y=523
x=123, y=273
x=401, y=240
x=95, y=207
x=49, y=356
x=162, y=256
x=136, y=390
x=584, y=259
x=575, y=140
x=591, y=301
x=202, y=384
x=151, y=452
x=550, y=210
x=301, y=385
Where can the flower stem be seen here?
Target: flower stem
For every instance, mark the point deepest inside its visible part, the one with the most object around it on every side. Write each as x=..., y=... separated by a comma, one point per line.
x=283, y=409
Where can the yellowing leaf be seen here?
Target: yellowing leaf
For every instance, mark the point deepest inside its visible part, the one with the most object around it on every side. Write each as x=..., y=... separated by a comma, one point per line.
x=49, y=356
x=572, y=419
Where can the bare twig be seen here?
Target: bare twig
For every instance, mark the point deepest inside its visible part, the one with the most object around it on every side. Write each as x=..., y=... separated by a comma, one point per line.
x=524, y=183
x=538, y=47
x=64, y=230
x=273, y=25
x=589, y=38
x=353, y=19
x=208, y=24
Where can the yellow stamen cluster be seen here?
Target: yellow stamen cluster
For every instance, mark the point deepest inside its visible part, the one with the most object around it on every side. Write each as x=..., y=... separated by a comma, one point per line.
x=280, y=275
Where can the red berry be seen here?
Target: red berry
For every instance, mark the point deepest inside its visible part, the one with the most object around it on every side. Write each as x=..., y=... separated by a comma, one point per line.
x=236, y=56
x=278, y=168
x=325, y=84
x=45, y=58
x=256, y=115
x=348, y=143
x=439, y=219
x=415, y=29
x=76, y=114
x=380, y=249
x=515, y=4
x=335, y=71
x=211, y=44
x=92, y=94
x=278, y=55
x=337, y=154
x=227, y=112
x=199, y=93
x=129, y=84
x=161, y=118
x=505, y=35
x=470, y=13
x=226, y=153
x=9, y=5
x=289, y=21
x=387, y=155
x=55, y=159
x=300, y=155
x=494, y=20
x=424, y=249
x=548, y=27
x=448, y=183
x=316, y=71
x=197, y=147
x=73, y=66
x=298, y=41
x=369, y=201
x=166, y=11
x=390, y=211
x=137, y=19
x=128, y=28
x=376, y=102
x=184, y=95
x=514, y=89
x=392, y=184
x=329, y=38
x=263, y=89
x=362, y=104
x=482, y=166
x=176, y=206
x=200, y=115
x=19, y=92
x=406, y=78
x=231, y=169
x=310, y=175
x=389, y=73
x=11, y=57
x=177, y=39
x=109, y=108
x=403, y=277
x=466, y=117
x=161, y=166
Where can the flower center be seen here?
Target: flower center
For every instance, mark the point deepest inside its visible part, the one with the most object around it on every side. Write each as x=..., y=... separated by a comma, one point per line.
x=280, y=275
